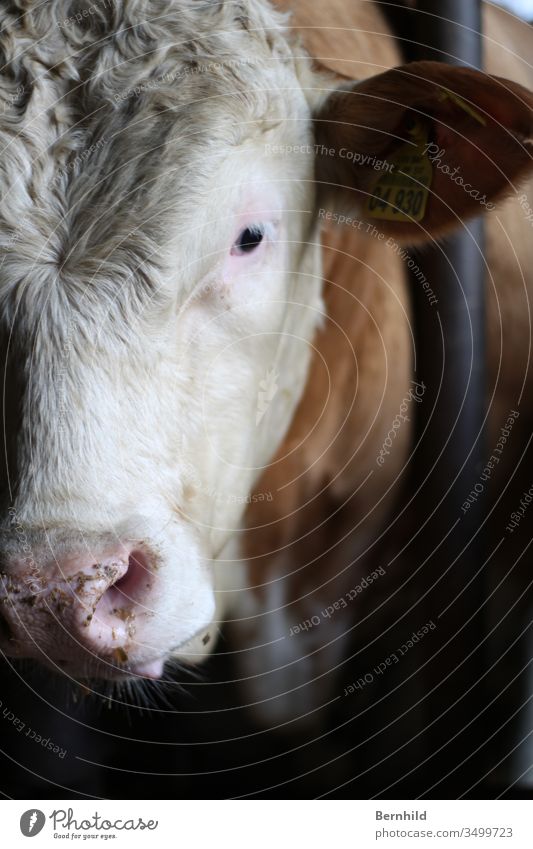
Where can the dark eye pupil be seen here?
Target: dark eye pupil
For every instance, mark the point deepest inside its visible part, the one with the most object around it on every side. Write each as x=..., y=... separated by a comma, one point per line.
x=249, y=240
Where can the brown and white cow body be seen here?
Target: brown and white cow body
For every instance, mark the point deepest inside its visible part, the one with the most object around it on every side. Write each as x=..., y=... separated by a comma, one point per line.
x=317, y=538
x=168, y=309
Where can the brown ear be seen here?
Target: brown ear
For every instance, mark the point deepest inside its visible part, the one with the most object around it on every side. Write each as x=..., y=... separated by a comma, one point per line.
x=420, y=147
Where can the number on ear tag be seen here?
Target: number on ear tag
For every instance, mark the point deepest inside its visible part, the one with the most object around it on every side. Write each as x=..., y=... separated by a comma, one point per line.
x=402, y=192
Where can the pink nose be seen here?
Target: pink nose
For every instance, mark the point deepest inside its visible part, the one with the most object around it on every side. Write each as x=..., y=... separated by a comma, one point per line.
x=96, y=601
x=107, y=593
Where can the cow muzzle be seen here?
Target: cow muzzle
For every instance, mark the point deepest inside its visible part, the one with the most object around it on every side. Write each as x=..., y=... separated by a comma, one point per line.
x=89, y=613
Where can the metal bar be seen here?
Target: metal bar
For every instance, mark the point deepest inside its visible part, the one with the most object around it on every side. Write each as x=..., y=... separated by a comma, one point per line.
x=451, y=362
x=450, y=31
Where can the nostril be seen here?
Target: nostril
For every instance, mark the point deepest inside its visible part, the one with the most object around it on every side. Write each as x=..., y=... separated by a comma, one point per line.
x=133, y=583
x=111, y=622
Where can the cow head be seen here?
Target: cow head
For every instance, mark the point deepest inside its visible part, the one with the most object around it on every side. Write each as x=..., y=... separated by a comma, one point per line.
x=159, y=291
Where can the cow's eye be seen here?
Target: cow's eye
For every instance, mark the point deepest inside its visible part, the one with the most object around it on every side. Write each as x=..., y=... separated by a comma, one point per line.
x=248, y=240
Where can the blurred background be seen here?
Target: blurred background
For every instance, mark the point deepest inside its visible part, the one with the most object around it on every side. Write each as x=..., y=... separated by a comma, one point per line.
x=461, y=727
x=519, y=7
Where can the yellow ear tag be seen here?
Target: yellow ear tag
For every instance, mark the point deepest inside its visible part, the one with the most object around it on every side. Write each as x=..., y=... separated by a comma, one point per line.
x=401, y=193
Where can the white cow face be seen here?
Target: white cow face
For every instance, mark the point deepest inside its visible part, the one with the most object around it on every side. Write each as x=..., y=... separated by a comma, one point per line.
x=160, y=286
x=158, y=297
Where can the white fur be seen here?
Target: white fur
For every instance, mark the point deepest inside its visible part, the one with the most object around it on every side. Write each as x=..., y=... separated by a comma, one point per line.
x=138, y=347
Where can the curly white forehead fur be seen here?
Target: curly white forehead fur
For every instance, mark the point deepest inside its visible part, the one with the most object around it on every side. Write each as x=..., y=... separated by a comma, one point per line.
x=106, y=108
